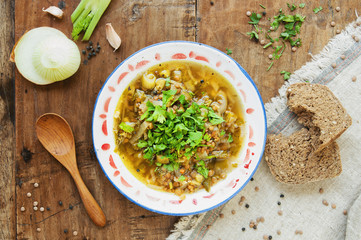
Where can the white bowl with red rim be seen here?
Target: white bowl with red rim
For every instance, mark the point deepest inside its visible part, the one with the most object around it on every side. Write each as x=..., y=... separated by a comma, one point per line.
x=164, y=202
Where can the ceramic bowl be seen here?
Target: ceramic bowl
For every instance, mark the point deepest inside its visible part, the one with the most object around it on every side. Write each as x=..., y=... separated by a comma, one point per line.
x=104, y=140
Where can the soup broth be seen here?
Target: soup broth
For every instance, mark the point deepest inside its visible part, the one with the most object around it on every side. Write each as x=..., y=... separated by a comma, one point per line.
x=179, y=127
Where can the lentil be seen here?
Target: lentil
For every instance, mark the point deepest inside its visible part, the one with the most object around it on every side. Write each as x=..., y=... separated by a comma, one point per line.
x=320, y=190
x=345, y=212
x=280, y=213
x=265, y=237
x=221, y=215
x=354, y=79
x=333, y=65
x=243, y=198
x=233, y=212
x=28, y=194
x=324, y=202
x=338, y=9
x=38, y=229
x=262, y=219
x=278, y=232
x=333, y=24
x=294, y=49
x=41, y=209
x=343, y=57
x=333, y=205
x=256, y=189
x=35, y=208
x=75, y=233
x=22, y=209
x=248, y=13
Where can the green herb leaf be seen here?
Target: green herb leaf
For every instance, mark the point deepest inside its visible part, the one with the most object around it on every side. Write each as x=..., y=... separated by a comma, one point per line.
x=167, y=96
x=316, y=10
x=167, y=82
x=267, y=45
x=255, y=18
x=270, y=66
x=222, y=133
x=142, y=144
x=159, y=115
x=262, y=6
x=291, y=7
x=207, y=137
x=181, y=178
x=201, y=169
x=126, y=128
x=230, y=138
x=286, y=75
x=195, y=138
x=302, y=5
x=214, y=118
x=229, y=51
x=253, y=34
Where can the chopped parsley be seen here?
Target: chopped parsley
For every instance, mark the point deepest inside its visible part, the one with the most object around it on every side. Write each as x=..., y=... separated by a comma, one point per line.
x=302, y=5
x=255, y=17
x=262, y=6
x=126, y=128
x=230, y=138
x=291, y=7
x=286, y=75
x=222, y=133
x=201, y=169
x=316, y=10
x=229, y=51
x=253, y=34
x=181, y=178
x=167, y=82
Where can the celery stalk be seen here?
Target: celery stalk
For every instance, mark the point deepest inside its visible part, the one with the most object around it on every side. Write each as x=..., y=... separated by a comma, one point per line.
x=86, y=16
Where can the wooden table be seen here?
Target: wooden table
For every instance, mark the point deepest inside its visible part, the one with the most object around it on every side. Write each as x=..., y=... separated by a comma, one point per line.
x=219, y=23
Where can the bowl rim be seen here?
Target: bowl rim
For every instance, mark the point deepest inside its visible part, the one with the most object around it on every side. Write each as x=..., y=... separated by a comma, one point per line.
x=264, y=140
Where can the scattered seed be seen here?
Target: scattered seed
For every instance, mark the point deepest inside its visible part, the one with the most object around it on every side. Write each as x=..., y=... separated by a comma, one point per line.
x=212, y=3
x=83, y=52
x=88, y=47
x=357, y=39
x=334, y=65
x=243, y=198
x=333, y=24
x=65, y=230
x=324, y=202
x=252, y=179
x=22, y=209
x=278, y=232
x=264, y=13
x=233, y=212
x=41, y=209
x=97, y=50
x=202, y=81
x=36, y=184
x=280, y=213
x=320, y=190
x=278, y=203
x=343, y=57
x=48, y=208
x=75, y=233
x=300, y=232
x=28, y=194
x=256, y=189
x=294, y=49
x=71, y=207
x=85, y=62
x=265, y=237
x=338, y=9
x=282, y=195
x=262, y=219
x=247, y=205
x=240, y=203
x=358, y=24
x=251, y=224
x=271, y=28
x=38, y=229
x=248, y=13
x=258, y=220
x=338, y=31
x=345, y=212
x=35, y=203
x=255, y=227
x=269, y=237
x=270, y=56
x=354, y=79
x=94, y=54
x=333, y=205
x=263, y=42
x=35, y=208
x=243, y=229
x=90, y=43
x=60, y=203
x=221, y=215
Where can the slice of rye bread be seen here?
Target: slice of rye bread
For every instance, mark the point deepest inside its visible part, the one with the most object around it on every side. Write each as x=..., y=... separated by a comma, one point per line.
x=316, y=106
x=290, y=161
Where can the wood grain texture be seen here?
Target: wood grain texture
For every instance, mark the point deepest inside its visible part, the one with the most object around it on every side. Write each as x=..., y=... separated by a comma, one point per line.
x=225, y=25
x=139, y=23
x=7, y=165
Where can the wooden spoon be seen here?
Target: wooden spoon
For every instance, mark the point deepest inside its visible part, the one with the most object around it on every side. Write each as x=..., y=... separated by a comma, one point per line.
x=56, y=136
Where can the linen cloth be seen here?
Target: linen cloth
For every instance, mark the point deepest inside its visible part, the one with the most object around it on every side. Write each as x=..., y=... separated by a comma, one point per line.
x=302, y=207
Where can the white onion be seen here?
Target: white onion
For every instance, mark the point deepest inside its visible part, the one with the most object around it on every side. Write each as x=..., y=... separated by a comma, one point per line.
x=45, y=55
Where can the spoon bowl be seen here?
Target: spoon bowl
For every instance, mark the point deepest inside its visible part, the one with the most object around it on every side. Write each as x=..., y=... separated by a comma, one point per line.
x=56, y=136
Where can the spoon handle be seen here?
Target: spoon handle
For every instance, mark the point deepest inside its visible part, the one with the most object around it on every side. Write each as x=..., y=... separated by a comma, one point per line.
x=94, y=211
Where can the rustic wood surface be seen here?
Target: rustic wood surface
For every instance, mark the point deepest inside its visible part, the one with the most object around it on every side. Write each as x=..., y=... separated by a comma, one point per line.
x=222, y=24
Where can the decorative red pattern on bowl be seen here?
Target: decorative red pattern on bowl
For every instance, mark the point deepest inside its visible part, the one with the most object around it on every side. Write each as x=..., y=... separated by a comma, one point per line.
x=163, y=202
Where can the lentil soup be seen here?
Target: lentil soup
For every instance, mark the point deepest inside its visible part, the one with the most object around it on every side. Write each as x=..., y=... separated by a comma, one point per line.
x=179, y=127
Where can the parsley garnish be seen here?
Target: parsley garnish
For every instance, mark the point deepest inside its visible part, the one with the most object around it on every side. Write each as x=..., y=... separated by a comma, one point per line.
x=222, y=133
x=229, y=51
x=230, y=138
x=316, y=10
x=201, y=169
x=167, y=82
x=126, y=128
x=291, y=7
x=181, y=178
x=214, y=119
x=167, y=96
x=255, y=18
x=253, y=34
x=286, y=75
x=302, y=5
